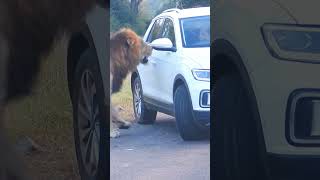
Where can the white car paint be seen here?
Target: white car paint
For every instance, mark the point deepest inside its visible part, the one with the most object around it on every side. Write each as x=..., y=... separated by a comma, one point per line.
x=272, y=79
x=158, y=75
x=97, y=21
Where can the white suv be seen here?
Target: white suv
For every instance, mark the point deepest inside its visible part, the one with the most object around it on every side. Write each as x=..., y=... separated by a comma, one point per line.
x=175, y=79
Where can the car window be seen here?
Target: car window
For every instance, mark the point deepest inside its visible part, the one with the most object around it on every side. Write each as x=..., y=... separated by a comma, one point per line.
x=168, y=31
x=195, y=31
x=155, y=32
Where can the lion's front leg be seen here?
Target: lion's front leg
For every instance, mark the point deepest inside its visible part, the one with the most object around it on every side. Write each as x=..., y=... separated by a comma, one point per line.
x=114, y=130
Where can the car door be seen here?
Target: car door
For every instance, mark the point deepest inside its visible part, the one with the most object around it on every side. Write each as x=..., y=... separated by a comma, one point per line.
x=166, y=65
x=146, y=71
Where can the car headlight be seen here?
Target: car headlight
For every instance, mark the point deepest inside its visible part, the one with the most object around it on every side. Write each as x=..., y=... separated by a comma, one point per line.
x=293, y=42
x=201, y=74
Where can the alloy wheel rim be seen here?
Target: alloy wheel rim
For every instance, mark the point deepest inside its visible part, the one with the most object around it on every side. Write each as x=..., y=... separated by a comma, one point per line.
x=137, y=100
x=89, y=123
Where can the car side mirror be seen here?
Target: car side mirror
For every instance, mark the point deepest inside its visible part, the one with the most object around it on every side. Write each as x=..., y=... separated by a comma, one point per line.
x=163, y=44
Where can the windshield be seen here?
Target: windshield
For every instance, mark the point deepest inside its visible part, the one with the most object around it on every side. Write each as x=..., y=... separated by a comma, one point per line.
x=195, y=31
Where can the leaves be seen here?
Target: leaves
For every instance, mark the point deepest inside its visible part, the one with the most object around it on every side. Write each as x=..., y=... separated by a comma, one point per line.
x=122, y=15
x=137, y=14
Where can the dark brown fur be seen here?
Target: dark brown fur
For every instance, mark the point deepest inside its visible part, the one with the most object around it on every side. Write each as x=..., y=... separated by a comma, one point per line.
x=31, y=28
x=28, y=30
x=125, y=57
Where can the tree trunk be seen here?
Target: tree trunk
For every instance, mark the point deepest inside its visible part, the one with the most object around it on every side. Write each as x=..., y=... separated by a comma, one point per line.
x=134, y=5
x=179, y=4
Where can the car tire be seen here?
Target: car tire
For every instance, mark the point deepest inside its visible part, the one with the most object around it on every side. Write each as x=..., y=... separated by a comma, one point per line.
x=90, y=118
x=188, y=128
x=236, y=152
x=142, y=114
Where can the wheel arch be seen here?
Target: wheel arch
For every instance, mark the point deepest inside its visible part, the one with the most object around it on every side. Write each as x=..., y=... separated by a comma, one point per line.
x=180, y=80
x=134, y=75
x=78, y=43
x=226, y=59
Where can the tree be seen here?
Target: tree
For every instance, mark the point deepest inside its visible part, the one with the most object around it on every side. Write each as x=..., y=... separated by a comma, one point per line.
x=179, y=4
x=134, y=5
x=195, y=3
x=183, y=4
x=137, y=14
x=125, y=13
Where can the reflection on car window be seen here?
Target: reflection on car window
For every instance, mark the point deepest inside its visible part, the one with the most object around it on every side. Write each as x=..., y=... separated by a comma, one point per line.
x=168, y=31
x=156, y=30
x=196, y=31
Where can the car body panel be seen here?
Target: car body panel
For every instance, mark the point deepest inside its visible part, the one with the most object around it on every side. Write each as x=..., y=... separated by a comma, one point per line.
x=164, y=74
x=302, y=11
x=158, y=75
x=198, y=55
x=272, y=79
x=98, y=24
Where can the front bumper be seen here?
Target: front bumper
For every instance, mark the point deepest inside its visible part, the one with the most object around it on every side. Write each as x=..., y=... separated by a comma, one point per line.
x=197, y=89
x=273, y=83
x=303, y=118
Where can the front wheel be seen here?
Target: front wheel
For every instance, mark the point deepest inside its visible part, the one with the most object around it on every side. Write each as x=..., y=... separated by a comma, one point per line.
x=90, y=118
x=188, y=127
x=237, y=154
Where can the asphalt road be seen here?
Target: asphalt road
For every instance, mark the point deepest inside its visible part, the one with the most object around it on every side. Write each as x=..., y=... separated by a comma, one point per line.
x=157, y=152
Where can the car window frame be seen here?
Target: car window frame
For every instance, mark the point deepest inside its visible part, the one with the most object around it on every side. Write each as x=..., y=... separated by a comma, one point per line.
x=153, y=26
x=174, y=32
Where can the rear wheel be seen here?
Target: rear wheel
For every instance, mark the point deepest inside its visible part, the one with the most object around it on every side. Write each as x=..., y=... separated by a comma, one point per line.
x=142, y=114
x=236, y=152
x=89, y=110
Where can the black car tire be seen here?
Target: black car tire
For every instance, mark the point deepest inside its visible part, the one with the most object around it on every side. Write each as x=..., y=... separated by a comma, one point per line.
x=188, y=128
x=236, y=151
x=90, y=124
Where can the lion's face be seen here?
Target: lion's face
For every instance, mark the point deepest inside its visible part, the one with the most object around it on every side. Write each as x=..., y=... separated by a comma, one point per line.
x=138, y=49
x=146, y=51
x=127, y=51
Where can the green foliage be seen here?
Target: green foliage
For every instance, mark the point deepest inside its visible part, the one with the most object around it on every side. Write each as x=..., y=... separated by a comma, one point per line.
x=195, y=3
x=123, y=16
x=183, y=4
x=169, y=4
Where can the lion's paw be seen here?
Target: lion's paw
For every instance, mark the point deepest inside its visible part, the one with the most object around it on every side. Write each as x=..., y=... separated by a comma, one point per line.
x=114, y=133
x=125, y=124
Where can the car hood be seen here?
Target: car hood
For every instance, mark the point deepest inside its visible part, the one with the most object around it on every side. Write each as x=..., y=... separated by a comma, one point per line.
x=304, y=12
x=200, y=56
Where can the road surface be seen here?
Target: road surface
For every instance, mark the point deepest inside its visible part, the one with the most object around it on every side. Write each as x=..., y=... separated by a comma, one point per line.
x=157, y=152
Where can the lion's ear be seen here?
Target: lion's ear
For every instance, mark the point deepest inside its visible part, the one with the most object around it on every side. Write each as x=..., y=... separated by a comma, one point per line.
x=130, y=42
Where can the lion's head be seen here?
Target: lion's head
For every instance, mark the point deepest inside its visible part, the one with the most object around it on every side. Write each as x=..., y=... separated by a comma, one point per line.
x=127, y=50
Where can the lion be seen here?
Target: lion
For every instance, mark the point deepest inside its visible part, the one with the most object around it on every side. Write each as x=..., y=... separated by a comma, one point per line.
x=127, y=50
